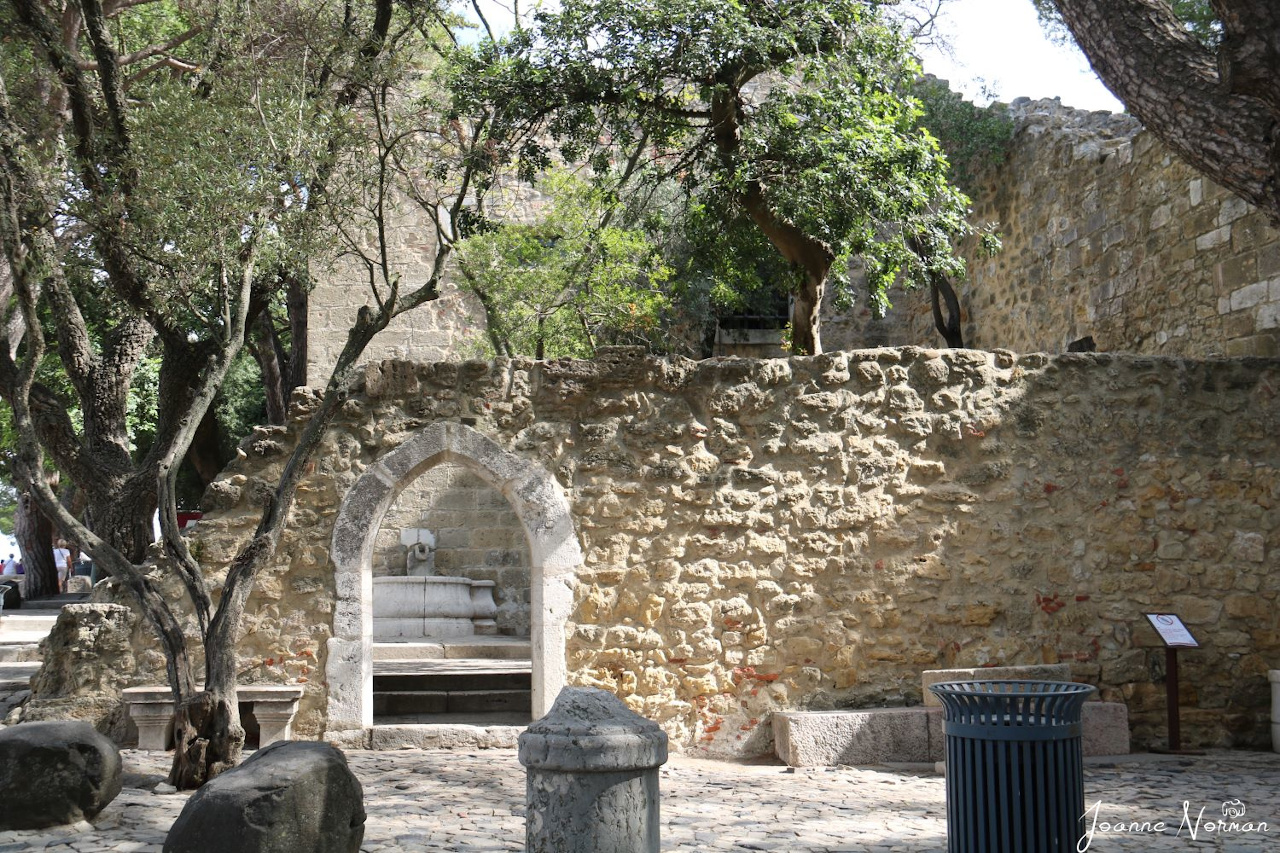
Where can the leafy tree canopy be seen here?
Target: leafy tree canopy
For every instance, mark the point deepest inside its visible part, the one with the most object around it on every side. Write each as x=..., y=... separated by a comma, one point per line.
x=569, y=282
x=792, y=119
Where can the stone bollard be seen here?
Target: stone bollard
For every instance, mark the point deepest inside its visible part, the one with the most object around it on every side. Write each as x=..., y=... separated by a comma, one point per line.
x=592, y=776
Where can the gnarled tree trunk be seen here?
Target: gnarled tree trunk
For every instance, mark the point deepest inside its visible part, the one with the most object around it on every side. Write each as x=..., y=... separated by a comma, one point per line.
x=123, y=516
x=207, y=738
x=34, y=533
x=1220, y=113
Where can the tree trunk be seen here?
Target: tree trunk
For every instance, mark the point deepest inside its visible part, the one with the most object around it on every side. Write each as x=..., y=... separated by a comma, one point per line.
x=34, y=533
x=949, y=326
x=263, y=346
x=123, y=516
x=1221, y=114
x=297, y=300
x=207, y=738
x=205, y=453
x=813, y=257
x=806, y=306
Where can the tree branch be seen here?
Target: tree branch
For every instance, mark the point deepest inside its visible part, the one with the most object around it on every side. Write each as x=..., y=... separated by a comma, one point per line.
x=147, y=52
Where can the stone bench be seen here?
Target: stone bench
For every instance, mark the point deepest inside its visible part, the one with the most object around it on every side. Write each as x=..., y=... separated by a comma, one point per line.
x=910, y=735
x=273, y=706
x=914, y=735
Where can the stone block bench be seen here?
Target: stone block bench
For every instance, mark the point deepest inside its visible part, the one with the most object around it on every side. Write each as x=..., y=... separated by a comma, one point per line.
x=273, y=706
x=914, y=735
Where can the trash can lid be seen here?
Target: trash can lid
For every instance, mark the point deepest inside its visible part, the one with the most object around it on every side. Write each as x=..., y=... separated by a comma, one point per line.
x=1011, y=686
x=1013, y=702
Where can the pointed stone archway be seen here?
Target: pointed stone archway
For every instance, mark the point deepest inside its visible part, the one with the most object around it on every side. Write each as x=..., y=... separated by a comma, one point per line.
x=555, y=556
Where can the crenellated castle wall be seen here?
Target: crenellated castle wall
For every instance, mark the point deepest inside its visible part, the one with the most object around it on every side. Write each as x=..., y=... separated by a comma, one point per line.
x=1106, y=235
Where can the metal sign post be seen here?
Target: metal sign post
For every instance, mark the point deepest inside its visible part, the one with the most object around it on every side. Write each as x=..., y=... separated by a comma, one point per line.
x=1175, y=636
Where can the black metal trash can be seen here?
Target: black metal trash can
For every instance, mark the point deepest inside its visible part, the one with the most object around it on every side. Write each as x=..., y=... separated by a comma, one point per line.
x=1015, y=765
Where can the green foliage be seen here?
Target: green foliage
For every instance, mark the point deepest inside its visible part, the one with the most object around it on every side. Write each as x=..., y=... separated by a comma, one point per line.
x=974, y=138
x=801, y=104
x=1196, y=15
x=8, y=508
x=566, y=284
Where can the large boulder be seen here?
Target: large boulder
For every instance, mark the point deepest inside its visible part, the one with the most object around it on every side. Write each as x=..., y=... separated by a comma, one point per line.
x=292, y=797
x=55, y=773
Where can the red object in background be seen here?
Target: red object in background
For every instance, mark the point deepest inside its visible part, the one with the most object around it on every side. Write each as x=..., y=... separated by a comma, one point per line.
x=187, y=519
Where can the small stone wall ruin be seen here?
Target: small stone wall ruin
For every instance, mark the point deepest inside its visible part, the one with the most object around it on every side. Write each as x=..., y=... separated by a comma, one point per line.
x=715, y=541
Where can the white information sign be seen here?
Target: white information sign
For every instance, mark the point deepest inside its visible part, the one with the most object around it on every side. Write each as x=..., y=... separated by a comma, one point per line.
x=1172, y=631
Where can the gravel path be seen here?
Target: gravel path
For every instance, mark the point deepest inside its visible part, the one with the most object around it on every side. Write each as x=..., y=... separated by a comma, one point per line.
x=474, y=801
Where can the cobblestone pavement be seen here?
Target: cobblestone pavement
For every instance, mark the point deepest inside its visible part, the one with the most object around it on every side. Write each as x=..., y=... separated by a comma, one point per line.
x=472, y=802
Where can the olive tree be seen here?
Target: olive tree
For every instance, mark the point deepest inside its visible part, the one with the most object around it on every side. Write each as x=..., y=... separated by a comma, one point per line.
x=167, y=169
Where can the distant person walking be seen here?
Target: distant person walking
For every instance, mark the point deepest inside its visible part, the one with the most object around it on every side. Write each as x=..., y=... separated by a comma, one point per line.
x=10, y=566
x=62, y=562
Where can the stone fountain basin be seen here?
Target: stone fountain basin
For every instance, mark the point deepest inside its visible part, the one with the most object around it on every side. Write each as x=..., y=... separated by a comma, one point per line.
x=411, y=608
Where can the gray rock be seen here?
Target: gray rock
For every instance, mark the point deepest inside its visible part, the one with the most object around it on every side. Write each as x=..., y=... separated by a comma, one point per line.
x=292, y=797
x=55, y=773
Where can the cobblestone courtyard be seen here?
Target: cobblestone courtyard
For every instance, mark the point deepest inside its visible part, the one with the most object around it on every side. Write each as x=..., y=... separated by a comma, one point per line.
x=471, y=802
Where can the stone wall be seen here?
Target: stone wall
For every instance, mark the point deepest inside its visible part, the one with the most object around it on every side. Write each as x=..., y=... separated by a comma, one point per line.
x=814, y=532
x=1106, y=234
x=452, y=326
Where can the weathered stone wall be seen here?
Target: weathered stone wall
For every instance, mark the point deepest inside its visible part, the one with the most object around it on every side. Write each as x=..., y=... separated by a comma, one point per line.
x=1106, y=234
x=476, y=535
x=814, y=532
x=452, y=326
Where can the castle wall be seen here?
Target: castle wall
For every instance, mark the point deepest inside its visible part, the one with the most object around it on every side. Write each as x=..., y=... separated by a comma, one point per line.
x=814, y=532
x=451, y=326
x=1106, y=234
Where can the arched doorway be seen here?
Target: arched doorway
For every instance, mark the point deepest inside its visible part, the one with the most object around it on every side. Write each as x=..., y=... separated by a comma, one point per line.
x=554, y=554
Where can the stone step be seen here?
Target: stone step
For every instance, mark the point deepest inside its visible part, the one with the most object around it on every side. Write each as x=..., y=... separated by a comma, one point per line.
x=17, y=673
x=25, y=625
x=19, y=652
x=496, y=648
x=53, y=603
x=403, y=702
x=494, y=731
x=462, y=666
x=21, y=633
x=910, y=735
x=450, y=682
